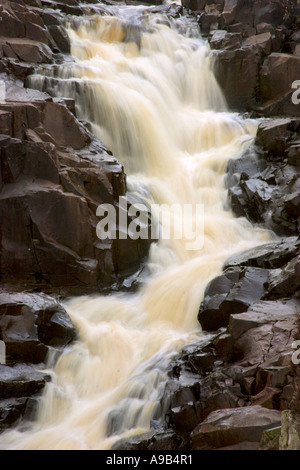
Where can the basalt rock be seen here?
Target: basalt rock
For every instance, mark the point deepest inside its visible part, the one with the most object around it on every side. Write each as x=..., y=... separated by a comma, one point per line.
x=21, y=380
x=20, y=386
x=278, y=74
x=262, y=313
x=232, y=292
x=70, y=175
x=235, y=372
x=270, y=256
x=257, y=50
x=237, y=71
x=264, y=182
x=151, y=441
x=32, y=324
x=228, y=428
x=248, y=279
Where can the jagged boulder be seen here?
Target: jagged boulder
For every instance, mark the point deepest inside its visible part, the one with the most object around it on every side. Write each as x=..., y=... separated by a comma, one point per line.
x=69, y=175
x=231, y=427
x=232, y=292
x=20, y=387
x=32, y=323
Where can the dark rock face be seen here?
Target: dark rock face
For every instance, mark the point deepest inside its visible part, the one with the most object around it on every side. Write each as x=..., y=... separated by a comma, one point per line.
x=232, y=292
x=240, y=66
x=270, y=256
x=20, y=386
x=241, y=286
x=30, y=324
x=229, y=427
x=69, y=172
x=224, y=392
x=151, y=441
x=20, y=380
x=59, y=247
x=257, y=51
x=264, y=182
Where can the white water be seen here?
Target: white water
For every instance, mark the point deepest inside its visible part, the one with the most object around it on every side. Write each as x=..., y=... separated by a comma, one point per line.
x=156, y=104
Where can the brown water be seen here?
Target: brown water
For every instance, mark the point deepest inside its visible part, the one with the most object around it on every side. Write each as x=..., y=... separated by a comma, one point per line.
x=145, y=84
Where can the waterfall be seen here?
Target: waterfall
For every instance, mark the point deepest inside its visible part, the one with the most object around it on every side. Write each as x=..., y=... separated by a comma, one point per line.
x=144, y=83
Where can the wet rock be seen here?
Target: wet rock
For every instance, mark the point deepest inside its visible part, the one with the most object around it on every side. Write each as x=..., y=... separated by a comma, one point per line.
x=20, y=94
x=61, y=38
x=72, y=178
x=21, y=380
x=221, y=39
x=165, y=440
x=250, y=165
x=209, y=22
x=278, y=73
x=261, y=313
x=20, y=387
x=293, y=153
x=185, y=418
x=273, y=136
x=233, y=292
x=55, y=245
x=266, y=189
x=268, y=344
x=237, y=11
x=262, y=41
x=70, y=8
x=51, y=17
x=26, y=50
x=268, y=28
x=268, y=12
x=11, y=410
x=225, y=428
x=272, y=376
x=20, y=70
x=270, y=256
x=55, y=327
x=224, y=347
x=237, y=72
x=284, y=282
x=29, y=323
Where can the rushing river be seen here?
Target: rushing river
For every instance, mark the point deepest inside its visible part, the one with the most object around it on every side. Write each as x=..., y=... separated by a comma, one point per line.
x=145, y=84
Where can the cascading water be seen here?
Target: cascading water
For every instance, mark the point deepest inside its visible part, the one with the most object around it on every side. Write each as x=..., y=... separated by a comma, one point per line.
x=144, y=83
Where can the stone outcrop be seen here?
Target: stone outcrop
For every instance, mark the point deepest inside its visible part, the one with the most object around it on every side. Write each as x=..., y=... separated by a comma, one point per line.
x=32, y=325
x=242, y=370
x=230, y=427
x=70, y=176
x=264, y=184
x=20, y=387
x=52, y=181
x=256, y=51
x=250, y=277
